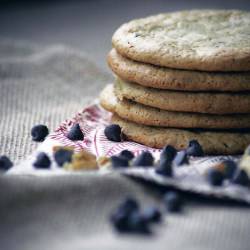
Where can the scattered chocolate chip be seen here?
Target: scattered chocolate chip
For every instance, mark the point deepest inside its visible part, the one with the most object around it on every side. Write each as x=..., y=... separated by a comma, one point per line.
x=145, y=159
x=172, y=201
x=42, y=161
x=39, y=132
x=75, y=133
x=241, y=178
x=130, y=204
x=119, y=220
x=5, y=163
x=215, y=177
x=229, y=168
x=194, y=148
x=120, y=217
x=138, y=224
x=62, y=156
x=164, y=168
x=127, y=154
x=113, y=132
x=128, y=219
x=181, y=158
x=152, y=215
x=119, y=161
x=168, y=153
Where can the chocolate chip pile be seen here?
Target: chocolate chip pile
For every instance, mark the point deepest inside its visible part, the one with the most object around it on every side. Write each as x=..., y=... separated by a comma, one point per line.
x=129, y=217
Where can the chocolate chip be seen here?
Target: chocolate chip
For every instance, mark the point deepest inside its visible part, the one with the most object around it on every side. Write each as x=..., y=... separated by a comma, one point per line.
x=215, y=177
x=241, y=178
x=119, y=161
x=181, y=158
x=145, y=159
x=168, y=153
x=62, y=156
x=194, y=148
x=113, y=132
x=127, y=154
x=39, y=132
x=75, y=133
x=164, y=168
x=172, y=201
x=42, y=161
x=5, y=163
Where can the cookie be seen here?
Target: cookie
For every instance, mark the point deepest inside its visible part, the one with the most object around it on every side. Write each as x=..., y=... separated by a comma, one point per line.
x=213, y=143
x=146, y=115
x=200, y=102
x=207, y=40
x=153, y=76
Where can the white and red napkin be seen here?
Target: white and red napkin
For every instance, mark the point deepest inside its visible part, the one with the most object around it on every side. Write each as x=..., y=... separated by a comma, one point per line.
x=93, y=120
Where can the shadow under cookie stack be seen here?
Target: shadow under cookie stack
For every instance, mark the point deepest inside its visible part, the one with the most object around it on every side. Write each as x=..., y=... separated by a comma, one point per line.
x=183, y=76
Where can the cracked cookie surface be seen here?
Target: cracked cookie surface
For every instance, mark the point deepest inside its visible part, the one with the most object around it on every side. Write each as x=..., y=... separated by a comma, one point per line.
x=207, y=40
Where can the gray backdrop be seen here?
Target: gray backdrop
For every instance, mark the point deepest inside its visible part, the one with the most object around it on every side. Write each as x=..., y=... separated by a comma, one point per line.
x=88, y=24
x=48, y=84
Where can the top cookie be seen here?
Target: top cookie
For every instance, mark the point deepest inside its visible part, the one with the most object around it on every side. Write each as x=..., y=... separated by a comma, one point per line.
x=208, y=40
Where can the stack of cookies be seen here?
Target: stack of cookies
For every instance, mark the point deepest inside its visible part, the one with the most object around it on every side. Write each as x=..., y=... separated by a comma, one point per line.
x=183, y=76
